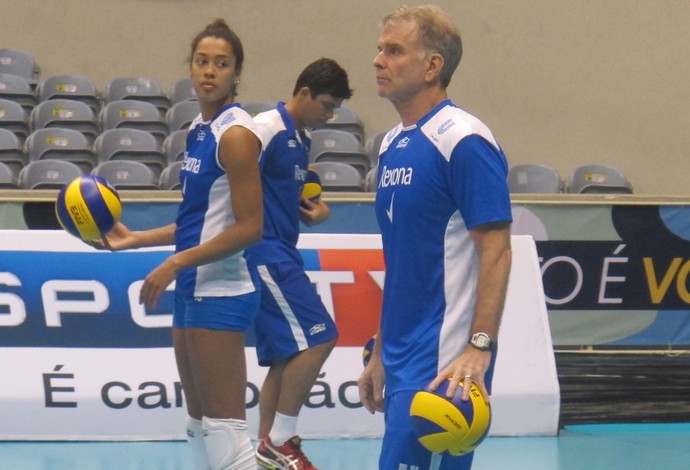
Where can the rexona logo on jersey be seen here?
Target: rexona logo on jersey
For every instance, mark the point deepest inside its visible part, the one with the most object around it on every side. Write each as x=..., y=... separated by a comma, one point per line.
x=58, y=292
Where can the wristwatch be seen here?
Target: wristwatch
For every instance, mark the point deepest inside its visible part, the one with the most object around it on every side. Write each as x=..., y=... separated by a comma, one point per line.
x=482, y=341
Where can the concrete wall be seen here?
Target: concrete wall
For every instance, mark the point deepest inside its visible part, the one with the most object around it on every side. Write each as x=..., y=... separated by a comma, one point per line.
x=560, y=82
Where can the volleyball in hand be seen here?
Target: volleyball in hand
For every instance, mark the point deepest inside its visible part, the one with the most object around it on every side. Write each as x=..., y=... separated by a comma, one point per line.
x=312, y=186
x=450, y=426
x=368, y=349
x=88, y=207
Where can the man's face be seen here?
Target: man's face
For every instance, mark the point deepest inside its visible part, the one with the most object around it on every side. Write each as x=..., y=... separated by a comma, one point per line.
x=319, y=109
x=401, y=62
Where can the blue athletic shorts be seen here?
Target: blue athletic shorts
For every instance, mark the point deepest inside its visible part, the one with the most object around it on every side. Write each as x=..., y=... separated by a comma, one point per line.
x=400, y=447
x=291, y=317
x=234, y=313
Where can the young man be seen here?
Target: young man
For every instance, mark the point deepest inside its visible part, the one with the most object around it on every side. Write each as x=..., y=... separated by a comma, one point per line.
x=294, y=332
x=447, y=260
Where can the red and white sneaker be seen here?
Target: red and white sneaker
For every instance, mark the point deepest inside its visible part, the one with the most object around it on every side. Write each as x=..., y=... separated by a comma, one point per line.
x=288, y=456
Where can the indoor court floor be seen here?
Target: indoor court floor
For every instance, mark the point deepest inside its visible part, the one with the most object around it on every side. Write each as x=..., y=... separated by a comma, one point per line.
x=582, y=447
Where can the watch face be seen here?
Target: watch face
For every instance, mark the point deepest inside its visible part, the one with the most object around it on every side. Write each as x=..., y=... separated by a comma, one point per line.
x=481, y=341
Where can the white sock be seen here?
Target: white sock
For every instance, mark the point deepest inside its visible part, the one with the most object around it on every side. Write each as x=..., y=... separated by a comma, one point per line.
x=228, y=444
x=284, y=427
x=195, y=438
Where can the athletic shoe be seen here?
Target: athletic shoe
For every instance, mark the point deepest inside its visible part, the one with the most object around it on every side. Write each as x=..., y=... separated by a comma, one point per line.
x=289, y=456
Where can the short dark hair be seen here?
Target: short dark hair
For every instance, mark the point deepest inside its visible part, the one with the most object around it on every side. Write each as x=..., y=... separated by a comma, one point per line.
x=324, y=77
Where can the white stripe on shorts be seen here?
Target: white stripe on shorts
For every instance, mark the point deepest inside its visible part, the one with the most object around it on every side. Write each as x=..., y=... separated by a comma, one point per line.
x=297, y=332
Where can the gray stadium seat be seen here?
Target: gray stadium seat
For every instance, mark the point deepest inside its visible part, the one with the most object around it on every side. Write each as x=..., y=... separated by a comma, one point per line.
x=174, y=146
x=70, y=87
x=130, y=144
x=338, y=146
x=136, y=88
x=17, y=89
x=48, y=174
x=597, y=178
x=182, y=90
x=170, y=176
x=68, y=114
x=180, y=115
x=372, y=147
x=8, y=179
x=370, y=182
x=61, y=144
x=14, y=118
x=346, y=119
x=12, y=153
x=329, y=140
x=358, y=160
x=336, y=176
x=127, y=174
x=534, y=178
x=134, y=114
x=19, y=62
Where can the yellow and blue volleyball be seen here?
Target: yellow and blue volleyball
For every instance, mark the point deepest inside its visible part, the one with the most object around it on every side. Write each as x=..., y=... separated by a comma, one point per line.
x=450, y=426
x=368, y=349
x=88, y=207
x=312, y=185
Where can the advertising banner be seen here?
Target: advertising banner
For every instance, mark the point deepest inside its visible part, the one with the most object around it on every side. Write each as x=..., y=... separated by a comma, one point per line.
x=83, y=360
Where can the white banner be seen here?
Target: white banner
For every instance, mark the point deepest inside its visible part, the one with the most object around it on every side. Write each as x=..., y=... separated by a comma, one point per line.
x=81, y=360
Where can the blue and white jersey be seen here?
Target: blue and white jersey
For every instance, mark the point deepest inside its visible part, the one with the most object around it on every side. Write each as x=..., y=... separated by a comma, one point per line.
x=436, y=180
x=206, y=208
x=283, y=163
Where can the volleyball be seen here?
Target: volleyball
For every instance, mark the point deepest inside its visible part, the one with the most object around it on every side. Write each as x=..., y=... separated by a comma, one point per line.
x=450, y=426
x=88, y=207
x=312, y=186
x=368, y=349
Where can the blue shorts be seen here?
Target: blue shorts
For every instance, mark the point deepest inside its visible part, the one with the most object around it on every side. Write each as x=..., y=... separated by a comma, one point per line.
x=292, y=317
x=400, y=447
x=216, y=313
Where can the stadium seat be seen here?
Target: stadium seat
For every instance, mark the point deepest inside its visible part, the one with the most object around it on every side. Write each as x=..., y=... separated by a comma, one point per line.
x=332, y=140
x=134, y=114
x=8, y=179
x=180, y=115
x=70, y=87
x=336, y=145
x=170, y=176
x=372, y=147
x=336, y=176
x=48, y=174
x=19, y=62
x=358, y=160
x=598, y=178
x=69, y=114
x=17, y=89
x=182, y=90
x=174, y=146
x=136, y=88
x=534, y=178
x=257, y=107
x=127, y=174
x=12, y=154
x=61, y=144
x=130, y=144
x=370, y=182
x=346, y=119
x=14, y=118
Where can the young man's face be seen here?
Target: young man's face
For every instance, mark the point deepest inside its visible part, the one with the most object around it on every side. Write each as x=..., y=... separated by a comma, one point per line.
x=319, y=109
